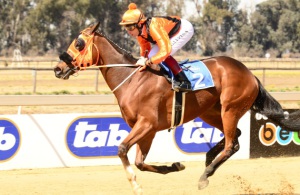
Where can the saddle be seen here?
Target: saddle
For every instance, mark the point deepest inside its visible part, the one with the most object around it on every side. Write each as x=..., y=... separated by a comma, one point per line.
x=200, y=78
x=196, y=72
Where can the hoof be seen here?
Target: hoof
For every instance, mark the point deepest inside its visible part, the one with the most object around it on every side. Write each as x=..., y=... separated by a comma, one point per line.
x=179, y=166
x=138, y=190
x=203, y=184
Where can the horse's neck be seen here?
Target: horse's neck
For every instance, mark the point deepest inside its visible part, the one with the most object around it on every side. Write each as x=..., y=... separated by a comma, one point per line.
x=114, y=75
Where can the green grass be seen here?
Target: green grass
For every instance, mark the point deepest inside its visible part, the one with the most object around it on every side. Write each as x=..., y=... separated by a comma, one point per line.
x=272, y=88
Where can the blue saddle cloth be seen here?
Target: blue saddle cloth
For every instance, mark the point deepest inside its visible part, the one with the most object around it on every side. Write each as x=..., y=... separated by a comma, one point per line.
x=197, y=73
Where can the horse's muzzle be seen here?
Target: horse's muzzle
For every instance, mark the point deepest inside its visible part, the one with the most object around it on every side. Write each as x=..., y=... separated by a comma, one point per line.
x=59, y=73
x=64, y=73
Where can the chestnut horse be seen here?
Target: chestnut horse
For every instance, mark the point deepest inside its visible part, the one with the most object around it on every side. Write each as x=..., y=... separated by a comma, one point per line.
x=145, y=100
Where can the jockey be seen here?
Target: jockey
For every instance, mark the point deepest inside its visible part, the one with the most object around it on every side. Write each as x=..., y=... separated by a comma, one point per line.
x=168, y=34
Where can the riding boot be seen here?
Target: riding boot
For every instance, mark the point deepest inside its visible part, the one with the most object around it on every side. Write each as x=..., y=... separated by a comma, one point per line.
x=185, y=84
x=181, y=83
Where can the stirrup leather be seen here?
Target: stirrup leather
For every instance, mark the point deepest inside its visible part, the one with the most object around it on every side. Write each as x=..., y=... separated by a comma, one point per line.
x=181, y=86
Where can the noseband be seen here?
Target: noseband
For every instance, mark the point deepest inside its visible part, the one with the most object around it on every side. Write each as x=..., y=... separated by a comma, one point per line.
x=65, y=57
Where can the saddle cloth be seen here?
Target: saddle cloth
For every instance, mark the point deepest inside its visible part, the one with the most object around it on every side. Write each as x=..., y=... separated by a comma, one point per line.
x=197, y=73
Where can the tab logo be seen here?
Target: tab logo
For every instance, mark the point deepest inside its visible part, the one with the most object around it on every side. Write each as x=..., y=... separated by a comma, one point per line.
x=95, y=137
x=9, y=139
x=197, y=136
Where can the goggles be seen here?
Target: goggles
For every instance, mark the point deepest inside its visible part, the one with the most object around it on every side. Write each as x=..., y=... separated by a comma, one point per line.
x=130, y=27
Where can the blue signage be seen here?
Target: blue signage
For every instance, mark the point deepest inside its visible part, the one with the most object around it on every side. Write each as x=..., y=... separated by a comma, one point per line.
x=95, y=137
x=197, y=136
x=9, y=139
x=99, y=137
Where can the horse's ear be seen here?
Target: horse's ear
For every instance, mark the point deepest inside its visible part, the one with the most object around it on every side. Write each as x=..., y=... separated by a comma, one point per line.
x=96, y=27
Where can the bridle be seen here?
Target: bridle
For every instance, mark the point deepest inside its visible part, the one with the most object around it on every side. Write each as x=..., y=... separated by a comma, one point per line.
x=80, y=54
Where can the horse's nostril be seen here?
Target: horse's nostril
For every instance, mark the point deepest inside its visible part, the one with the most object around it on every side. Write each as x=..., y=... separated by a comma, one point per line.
x=58, y=72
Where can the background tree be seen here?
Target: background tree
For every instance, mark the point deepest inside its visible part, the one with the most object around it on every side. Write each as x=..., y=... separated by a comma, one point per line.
x=217, y=26
x=11, y=23
x=272, y=28
x=53, y=24
x=48, y=26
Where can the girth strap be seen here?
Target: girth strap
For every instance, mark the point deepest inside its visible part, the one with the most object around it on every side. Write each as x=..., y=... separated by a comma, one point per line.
x=178, y=109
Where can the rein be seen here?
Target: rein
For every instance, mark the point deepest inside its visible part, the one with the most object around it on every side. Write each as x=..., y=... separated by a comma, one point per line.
x=125, y=80
x=119, y=65
x=114, y=65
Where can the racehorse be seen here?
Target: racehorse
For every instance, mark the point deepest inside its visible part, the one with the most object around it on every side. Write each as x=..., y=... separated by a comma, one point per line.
x=145, y=100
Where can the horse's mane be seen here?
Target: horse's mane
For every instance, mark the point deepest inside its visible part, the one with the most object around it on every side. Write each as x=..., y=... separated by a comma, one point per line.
x=121, y=50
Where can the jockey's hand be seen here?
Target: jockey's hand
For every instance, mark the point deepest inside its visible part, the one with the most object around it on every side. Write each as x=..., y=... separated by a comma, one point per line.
x=143, y=62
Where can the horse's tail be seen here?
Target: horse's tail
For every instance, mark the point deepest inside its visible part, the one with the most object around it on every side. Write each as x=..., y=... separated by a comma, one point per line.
x=268, y=106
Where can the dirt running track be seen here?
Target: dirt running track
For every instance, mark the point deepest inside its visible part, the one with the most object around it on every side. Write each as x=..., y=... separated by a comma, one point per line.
x=258, y=176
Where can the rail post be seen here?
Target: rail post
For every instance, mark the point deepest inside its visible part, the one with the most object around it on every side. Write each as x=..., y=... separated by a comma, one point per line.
x=264, y=77
x=34, y=80
x=97, y=80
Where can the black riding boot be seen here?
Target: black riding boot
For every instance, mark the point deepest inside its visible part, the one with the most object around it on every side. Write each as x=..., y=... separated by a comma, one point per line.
x=185, y=84
x=181, y=82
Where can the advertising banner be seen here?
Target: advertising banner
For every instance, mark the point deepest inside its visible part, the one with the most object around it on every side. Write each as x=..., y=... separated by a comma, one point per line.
x=9, y=139
x=268, y=139
x=66, y=140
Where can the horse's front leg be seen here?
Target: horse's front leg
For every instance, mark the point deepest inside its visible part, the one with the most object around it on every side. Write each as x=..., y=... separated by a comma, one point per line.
x=142, y=150
x=141, y=130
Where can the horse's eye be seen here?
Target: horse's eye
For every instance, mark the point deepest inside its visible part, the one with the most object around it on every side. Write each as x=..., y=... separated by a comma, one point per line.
x=80, y=44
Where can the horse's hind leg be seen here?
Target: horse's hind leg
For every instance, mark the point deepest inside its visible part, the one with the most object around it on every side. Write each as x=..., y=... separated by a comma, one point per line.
x=231, y=147
x=213, y=152
x=142, y=150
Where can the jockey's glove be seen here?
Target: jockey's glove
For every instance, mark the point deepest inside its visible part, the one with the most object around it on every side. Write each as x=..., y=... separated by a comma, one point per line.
x=143, y=62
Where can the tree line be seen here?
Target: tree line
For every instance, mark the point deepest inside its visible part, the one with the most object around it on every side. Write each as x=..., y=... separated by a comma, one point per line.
x=43, y=27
